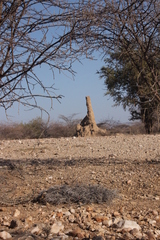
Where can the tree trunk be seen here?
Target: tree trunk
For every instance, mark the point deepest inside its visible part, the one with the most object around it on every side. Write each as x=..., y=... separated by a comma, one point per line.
x=148, y=121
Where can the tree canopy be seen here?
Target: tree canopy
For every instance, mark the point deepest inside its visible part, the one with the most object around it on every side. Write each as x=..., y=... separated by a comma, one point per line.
x=132, y=71
x=124, y=85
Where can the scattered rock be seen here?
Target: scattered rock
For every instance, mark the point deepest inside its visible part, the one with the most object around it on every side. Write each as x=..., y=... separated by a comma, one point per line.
x=152, y=222
x=150, y=235
x=100, y=218
x=6, y=223
x=136, y=233
x=157, y=198
x=71, y=218
x=77, y=233
x=116, y=214
x=155, y=213
x=129, y=182
x=5, y=235
x=17, y=213
x=57, y=227
x=108, y=223
x=128, y=224
x=36, y=230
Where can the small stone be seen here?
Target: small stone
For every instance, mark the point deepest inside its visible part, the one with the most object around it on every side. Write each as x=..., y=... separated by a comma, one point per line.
x=107, y=223
x=57, y=227
x=72, y=210
x=127, y=236
x=17, y=213
x=36, y=230
x=59, y=214
x=113, y=238
x=59, y=210
x=116, y=214
x=150, y=235
x=100, y=218
x=157, y=198
x=136, y=233
x=5, y=235
x=29, y=219
x=155, y=213
x=116, y=220
x=128, y=224
x=121, y=210
x=129, y=182
x=152, y=222
x=89, y=209
x=158, y=220
x=157, y=232
x=67, y=213
x=140, y=217
x=77, y=233
x=6, y=223
x=71, y=218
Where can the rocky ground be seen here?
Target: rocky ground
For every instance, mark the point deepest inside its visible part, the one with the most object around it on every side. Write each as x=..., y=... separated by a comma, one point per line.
x=80, y=188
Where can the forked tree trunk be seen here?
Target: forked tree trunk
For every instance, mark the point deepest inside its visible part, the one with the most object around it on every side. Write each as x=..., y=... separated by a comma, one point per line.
x=88, y=126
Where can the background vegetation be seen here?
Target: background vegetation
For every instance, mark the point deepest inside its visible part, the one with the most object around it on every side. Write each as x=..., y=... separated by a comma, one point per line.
x=64, y=127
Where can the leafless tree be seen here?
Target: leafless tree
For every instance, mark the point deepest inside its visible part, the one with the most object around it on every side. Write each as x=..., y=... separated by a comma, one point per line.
x=34, y=33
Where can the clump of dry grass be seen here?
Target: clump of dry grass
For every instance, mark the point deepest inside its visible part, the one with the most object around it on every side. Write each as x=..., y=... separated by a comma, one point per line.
x=65, y=194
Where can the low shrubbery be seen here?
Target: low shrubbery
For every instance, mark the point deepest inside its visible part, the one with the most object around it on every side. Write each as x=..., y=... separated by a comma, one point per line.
x=37, y=128
x=66, y=127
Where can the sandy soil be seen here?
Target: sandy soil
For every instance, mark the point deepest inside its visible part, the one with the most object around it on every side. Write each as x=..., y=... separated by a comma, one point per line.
x=128, y=164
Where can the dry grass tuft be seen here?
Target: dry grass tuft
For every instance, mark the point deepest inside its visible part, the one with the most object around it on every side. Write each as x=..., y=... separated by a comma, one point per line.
x=65, y=194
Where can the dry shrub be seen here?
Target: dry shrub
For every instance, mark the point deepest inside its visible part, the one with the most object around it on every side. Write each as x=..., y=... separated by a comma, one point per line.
x=12, y=131
x=57, y=130
x=37, y=128
x=64, y=194
x=64, y=128
x=136, y=128
x=114, y=127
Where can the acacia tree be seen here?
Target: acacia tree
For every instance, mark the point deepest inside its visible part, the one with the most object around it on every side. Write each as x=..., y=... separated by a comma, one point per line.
x=130, y=28
x=139, y=60
x=122, y=83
